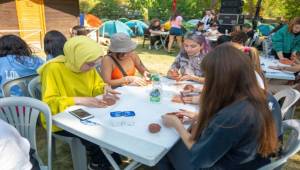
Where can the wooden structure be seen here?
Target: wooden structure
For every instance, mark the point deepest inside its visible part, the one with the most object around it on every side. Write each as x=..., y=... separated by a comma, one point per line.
x=31, y=19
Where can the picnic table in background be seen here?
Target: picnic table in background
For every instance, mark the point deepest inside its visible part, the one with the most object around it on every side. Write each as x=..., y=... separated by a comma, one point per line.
x=269, y=73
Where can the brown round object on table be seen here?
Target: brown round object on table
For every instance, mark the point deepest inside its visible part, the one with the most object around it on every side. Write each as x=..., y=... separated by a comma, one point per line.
x=109, y=101
x=188, y=87
x=154, y=127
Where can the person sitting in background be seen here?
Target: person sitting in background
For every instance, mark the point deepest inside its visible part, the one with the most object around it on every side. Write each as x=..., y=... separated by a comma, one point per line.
x=78, y=30
x=199, y=28
x=14, y=149
x=72, y=79
x=16, y=60
x=241, y=128
x=207, y=19
x=154, y=26
x=54, y=42
x=239, y=39
x=223, y=38
x=188, y=61
x=213, y=30
x=247, y=28
x=286, y=41
x=119, y=65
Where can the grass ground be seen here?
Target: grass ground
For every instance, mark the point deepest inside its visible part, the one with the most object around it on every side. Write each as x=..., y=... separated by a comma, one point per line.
x=157, y=61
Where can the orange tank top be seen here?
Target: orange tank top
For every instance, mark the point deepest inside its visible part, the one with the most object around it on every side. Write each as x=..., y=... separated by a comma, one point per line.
x=117, y=74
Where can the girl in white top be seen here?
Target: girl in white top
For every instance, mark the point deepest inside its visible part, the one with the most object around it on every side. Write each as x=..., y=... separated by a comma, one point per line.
x=14, y=149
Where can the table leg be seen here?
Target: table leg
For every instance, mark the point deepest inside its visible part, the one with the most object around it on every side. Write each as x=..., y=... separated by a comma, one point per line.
x=163, y=40
x=111, y=160
x=133, y=165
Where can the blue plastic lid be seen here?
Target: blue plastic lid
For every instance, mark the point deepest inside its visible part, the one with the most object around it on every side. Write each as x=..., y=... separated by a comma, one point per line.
x=128, y=113
x=116, y=114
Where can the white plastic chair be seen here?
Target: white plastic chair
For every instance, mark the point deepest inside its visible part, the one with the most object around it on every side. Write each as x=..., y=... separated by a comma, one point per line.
x=290, y=148
x=34, y=88
x=21, y=82
x=290, y=96
x=78, y=150
x=22, y=113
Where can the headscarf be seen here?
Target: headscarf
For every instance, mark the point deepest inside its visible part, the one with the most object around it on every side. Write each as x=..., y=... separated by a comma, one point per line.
x=77, y=51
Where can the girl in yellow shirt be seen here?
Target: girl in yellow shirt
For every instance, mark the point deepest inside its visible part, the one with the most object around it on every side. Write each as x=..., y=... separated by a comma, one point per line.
x=71, y=79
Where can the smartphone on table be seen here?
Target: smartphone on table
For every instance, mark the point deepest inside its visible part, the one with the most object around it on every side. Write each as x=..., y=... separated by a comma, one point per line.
x=81, y=114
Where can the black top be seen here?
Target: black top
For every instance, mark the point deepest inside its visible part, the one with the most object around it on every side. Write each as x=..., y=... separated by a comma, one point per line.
x=229, y=140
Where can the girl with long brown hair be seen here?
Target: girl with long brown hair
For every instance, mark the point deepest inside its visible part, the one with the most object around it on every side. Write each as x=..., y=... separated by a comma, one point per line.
x=238, y=124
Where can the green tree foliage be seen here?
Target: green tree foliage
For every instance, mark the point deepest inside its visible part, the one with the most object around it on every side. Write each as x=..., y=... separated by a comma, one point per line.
x=85, y=6
x=188, y=8
x=108, y=9
x=292, y=8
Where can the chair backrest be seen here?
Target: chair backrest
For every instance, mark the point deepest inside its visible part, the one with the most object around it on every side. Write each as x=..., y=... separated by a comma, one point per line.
x=291, y=147
x=21, y=82
x=22, y=113
x=34, y=88
x=291, y=96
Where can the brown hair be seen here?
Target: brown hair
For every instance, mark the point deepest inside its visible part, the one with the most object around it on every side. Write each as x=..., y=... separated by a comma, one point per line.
x=79, y=30
x=253, y=54
x=232, y=64
x=239, y=37
x=295, y=21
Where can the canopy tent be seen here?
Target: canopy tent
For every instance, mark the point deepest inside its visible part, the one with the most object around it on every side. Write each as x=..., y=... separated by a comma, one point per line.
x=123, y=20
x=109, y=28
x=193, y=22
x=265, y=29
x=137, y=26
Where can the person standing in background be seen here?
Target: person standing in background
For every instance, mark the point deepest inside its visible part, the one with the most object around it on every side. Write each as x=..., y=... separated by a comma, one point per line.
x=175, y=31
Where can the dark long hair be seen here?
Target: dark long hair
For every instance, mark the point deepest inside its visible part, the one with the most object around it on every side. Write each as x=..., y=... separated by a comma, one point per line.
x=54, y=42
x=13, y=45
x=230, y=75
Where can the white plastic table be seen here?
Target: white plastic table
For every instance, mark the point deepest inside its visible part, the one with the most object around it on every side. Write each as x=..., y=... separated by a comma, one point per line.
x=275, y=74
x=135, y=142
x=163, y=37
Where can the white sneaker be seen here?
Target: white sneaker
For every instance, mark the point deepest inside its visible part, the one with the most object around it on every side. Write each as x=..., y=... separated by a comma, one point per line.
x=149, y=47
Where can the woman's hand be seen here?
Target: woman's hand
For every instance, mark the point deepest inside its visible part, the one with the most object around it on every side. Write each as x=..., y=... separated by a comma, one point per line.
x=187, y=99
x=171, y=121
x=90, y=102
x=173, y=74
x=275, y=67
x=192, y=115
x=136, y=81
x=109, y=91
x=147, y=76
x=188, y=77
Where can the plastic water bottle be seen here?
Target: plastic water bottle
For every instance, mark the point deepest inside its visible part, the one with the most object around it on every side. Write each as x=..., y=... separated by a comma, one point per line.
x=156, y=91
x=267, y=47
x=226, y=32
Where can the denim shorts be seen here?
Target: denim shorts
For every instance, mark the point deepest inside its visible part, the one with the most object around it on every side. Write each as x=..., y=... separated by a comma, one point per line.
x=176, y=31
